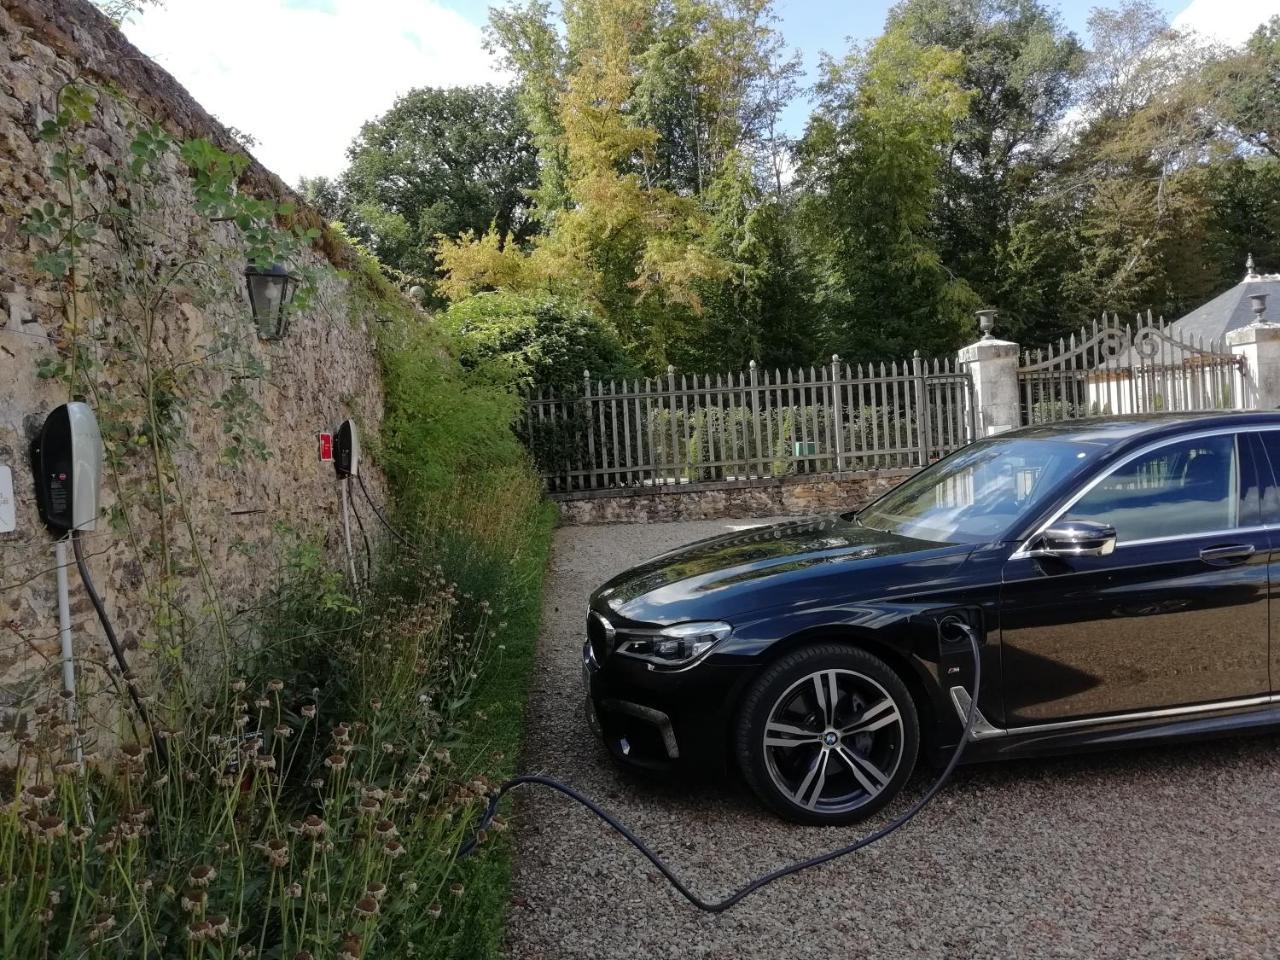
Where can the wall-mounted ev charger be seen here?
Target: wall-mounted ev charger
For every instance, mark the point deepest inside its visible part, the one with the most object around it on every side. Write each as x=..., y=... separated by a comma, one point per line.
x=346, y=450
x=346, y=464
x=66, y=462
x=66, y=458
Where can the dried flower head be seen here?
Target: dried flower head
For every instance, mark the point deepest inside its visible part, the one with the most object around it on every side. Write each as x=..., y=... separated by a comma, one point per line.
x=316, y=784
x=366, y=907
x=264, y=761
x=293, y=890
x=457, y=889
x=198, y=931
x=276, y=851
x=48, y=828
x=434, y=911
x=275, y=686
x=262, y=703
x=375, y=704
x=80, y=833
x=313, y=827
x=342, y=732
x=393, y=849
x=303, y=955
x=308, y=710
x=102, y=925
x=282, y=730
x=368, y=807
x=193, y=900
x=385, y=829
x=350, y=948
x=335, y=761
x=376, y=890
x=219, y=925
x=238, y=684
x=202, y=875
x=37, y=795
x=134, y=753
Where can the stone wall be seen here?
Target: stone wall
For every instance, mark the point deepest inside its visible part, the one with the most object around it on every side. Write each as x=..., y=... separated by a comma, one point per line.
x=786, y=496
x=228, y=522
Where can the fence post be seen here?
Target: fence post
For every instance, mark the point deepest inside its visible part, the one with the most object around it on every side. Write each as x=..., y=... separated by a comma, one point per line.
x=993, y=367
x=923, y=444
x=837, y=412
x=1258, y=345
x=590, y=478
x=755, y=419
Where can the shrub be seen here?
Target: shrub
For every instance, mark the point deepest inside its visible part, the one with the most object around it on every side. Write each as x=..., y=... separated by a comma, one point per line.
x=536, y=339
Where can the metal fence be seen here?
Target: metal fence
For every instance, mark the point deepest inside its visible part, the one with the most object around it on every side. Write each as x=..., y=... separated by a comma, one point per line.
x=752, y=425
x=1114, y=368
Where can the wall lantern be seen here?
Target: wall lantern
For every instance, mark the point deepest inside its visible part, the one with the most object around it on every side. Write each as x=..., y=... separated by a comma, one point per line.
x=270, y=292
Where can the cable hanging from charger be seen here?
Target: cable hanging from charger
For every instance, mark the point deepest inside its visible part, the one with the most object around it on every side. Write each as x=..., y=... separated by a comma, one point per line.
x=385, y=522
x=720, y=906
x=114, y=643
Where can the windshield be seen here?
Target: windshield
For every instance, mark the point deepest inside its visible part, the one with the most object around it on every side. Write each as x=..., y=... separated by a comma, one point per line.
x=979, y=492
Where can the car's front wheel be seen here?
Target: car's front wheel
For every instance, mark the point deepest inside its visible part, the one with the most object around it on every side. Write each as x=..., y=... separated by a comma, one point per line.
x=828, y=734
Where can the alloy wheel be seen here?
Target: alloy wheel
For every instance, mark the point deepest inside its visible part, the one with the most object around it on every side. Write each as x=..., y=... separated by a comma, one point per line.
x=833, y=741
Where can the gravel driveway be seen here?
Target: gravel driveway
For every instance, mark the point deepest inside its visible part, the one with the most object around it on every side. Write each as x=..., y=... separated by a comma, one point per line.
x=1171, y=852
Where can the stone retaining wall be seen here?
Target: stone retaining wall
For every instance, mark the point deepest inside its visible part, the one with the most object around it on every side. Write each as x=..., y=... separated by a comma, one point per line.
x=241, y=514
x=786, y=496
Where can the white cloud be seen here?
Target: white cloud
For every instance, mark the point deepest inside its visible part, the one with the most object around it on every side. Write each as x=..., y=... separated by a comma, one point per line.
x=1226, y=21
x=301, y=76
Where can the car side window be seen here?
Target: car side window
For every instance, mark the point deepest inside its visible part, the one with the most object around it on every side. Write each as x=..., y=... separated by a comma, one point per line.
x=1179, y=489
x=1270, y=441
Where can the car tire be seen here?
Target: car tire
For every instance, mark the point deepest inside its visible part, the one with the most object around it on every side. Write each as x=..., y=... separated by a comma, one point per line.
x=827, y=735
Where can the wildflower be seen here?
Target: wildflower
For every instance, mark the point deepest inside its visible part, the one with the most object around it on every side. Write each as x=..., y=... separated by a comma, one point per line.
x=368, y=807
x=350, y=948
x=442, y=756
x=335, y=761
x=275, y=686
x=388, y=747
x=262, y=703
x=264, y=761
x=37, y=795
x=66, y=768
x=241, y=721
x=276, y=851
x=198, y=931
x=308, y=710
x=282, y=730
x=377, y=793
x=385, y=829
x=313, y=827
x=342, y=732
x=498, y=823
x=160, y=781
x=434, y=911
x=80, y=833
x=134, y=753
x=293, y=890
x=50, y=828
x=375, y=704
x=193, y=900
x=420, y=775
x=376, y=890
x=190, y=776
x=202, y=875
x=138, y=814
x=218, y=925
x=396, y=796
x=247, y=952
x=44, y=915
x=366, y=907
x=303, y=955
x=106, y=843
x=394, y=848
x=102, y=925
x=238, y=685
x=456, y=889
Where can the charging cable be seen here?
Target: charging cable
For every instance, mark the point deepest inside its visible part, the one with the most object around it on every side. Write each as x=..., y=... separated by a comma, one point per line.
x=719, y=906
x=117, y=652
x=385, y=522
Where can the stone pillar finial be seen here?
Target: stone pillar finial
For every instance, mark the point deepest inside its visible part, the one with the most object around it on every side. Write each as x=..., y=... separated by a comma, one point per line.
x=1259, y=303
x=986, y=321
x=1249, y=272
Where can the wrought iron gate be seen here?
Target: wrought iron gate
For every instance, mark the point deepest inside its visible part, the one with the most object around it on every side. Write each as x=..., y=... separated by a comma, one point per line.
x=1114, y=368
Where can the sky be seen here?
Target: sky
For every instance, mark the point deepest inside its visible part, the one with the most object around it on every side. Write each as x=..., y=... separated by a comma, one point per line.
x=301, y=76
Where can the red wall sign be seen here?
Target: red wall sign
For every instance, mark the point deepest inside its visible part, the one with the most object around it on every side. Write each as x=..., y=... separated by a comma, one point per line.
x=326, y=448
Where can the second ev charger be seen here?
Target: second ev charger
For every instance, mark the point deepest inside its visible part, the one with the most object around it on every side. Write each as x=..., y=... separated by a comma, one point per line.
x=346, y=464
x=66, y=459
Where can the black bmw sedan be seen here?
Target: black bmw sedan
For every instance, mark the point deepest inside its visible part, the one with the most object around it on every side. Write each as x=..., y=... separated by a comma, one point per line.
x=1118, y=573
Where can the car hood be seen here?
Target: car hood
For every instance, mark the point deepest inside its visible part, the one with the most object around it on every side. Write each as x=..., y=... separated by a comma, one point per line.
x=772, y=565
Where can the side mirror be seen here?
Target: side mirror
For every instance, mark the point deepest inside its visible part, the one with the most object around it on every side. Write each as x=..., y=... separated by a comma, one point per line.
x=1075, y=538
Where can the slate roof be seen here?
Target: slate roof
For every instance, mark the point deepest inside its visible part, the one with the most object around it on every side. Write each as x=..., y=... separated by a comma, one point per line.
x=1231, y=310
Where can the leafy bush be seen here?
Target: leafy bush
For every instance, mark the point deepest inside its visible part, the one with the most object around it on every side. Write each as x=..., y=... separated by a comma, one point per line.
x=536, y=339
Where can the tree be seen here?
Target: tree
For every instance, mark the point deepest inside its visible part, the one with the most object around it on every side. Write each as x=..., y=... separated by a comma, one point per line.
x=1020, y=63
x=440, y=162
x=871, y=162
x=1249, y=89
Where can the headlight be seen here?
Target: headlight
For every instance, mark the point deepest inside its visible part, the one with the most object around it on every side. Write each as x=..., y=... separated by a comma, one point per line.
x=674, y=646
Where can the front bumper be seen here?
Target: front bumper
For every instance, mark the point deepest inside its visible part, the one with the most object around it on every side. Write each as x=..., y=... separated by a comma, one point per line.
x=658, y=720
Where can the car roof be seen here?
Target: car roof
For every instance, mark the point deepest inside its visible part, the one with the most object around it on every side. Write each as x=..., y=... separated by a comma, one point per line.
x=1117, y=429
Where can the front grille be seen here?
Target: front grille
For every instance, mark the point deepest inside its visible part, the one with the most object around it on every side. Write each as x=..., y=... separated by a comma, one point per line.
x=599, y=635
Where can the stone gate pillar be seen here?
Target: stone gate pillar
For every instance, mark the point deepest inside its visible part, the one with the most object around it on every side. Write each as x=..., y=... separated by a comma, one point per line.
x=1259, y=345
x=993, y=365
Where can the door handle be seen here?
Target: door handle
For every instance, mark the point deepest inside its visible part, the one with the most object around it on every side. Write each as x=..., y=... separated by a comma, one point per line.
x=1225, y=556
